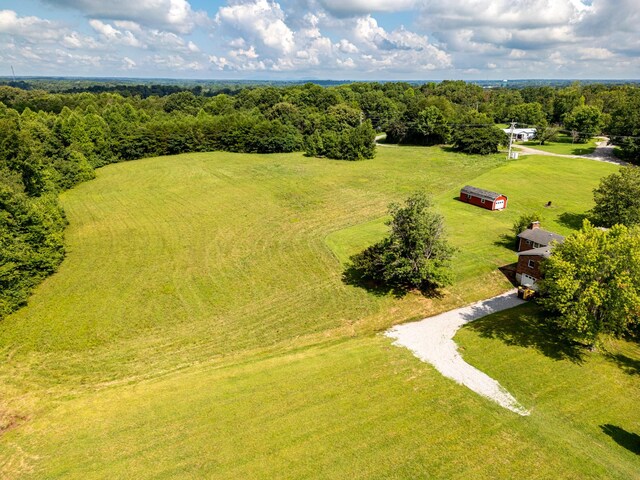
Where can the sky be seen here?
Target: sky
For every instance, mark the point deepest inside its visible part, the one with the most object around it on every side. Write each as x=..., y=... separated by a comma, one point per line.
x=322, y=39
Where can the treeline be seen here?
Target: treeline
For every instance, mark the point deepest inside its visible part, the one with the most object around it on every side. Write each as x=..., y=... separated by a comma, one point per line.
x=51, y=141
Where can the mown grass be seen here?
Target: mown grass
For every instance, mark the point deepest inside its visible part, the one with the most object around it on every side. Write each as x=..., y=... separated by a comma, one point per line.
x=484, y=238
x=564, y=145
x=358, y=408
x=200, y=326
x=184, y=258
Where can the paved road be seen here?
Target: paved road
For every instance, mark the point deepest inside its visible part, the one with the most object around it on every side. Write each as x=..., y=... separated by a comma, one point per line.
x=431, y=340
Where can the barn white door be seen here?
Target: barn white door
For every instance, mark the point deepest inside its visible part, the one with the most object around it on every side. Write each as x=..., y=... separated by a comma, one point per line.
x=499, y=204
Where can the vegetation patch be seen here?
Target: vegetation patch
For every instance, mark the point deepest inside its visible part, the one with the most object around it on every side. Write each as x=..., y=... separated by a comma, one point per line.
x=564, y=145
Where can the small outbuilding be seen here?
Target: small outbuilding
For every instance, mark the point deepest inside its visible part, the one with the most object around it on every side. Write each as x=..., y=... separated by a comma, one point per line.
x=483, y=198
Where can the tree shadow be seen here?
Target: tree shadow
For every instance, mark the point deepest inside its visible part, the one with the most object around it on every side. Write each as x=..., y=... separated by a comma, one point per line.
x=572, y=220
x=507, y=241
x=628, y=365
x=354, y=277
x=628, y=440
x=527, y=329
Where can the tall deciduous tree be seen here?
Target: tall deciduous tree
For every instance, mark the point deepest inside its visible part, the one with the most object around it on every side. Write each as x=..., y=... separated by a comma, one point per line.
x=585, y=120
x=592, y=283
x=431, y=127
x=416, y=253
x=618, y=199
x=481, y=140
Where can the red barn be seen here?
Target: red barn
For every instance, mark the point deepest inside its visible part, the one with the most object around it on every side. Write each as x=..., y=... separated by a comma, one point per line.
x=483, y=198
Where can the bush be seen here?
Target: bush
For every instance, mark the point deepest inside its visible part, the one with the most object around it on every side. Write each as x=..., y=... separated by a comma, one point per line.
x=482, y=140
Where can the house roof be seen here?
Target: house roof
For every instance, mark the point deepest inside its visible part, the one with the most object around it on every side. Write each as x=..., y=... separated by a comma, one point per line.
x=516, y=131
x=538, y=252
x=480, y=193
x=543, y=237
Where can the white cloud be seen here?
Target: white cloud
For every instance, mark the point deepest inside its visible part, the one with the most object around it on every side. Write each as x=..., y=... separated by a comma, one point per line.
x=399, y=48
x=361, y=7
x=31, y=28
x=175, y=62
x=345, y=46
x=588, y=53
x=258, y=21
x=331, y=38
x=115, y=36
x=362, y=43
x=175, y=15
x=128, y=64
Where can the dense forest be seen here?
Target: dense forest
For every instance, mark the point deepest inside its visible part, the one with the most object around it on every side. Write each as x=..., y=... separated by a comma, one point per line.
x=51, y=141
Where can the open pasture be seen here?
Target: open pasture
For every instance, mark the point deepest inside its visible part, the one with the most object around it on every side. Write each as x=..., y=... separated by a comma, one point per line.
x=200, y=326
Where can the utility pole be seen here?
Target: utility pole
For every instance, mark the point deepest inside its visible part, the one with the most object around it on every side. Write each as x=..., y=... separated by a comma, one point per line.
x=513, y=125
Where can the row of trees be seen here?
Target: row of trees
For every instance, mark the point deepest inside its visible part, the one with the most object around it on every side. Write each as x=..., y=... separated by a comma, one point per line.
x=428, y=114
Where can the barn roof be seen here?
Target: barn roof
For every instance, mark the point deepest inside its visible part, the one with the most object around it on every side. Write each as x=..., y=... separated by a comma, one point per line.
x=538, y=252
x=480, y=193
x=543, y=237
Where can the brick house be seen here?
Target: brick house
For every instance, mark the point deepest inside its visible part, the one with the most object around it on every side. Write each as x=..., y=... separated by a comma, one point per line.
x=483, y=198
x=534, y=245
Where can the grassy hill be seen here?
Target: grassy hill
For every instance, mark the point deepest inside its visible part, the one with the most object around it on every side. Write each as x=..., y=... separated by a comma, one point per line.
x=199, y=326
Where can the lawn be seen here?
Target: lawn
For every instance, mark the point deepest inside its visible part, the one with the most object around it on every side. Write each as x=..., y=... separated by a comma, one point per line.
x=200, y=326
x=564, y=145
x=357, y=408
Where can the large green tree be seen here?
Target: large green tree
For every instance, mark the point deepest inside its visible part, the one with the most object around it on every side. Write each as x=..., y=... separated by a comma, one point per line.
x=482, y=139
x=617, y=199
x=591, y=283
x=416, y=254
x=528, y=113
x=585, y=120
x=624, y=126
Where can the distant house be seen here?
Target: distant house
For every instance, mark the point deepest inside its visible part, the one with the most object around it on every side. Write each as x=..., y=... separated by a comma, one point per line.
x=483, y=198
x=521, y=134
x=534, y=245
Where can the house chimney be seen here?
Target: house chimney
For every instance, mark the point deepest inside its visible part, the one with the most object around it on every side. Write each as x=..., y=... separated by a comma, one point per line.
x=534, y=225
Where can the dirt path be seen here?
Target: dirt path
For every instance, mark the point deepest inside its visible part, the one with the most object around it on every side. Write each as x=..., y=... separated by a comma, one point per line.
x=431, y=340
x=602, y=153
x=383, y=136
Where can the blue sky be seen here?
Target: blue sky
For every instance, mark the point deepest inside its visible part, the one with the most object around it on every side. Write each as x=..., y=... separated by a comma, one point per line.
x=324, y=39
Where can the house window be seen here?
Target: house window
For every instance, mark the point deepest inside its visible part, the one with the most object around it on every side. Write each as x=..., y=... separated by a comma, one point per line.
x=531, y=264
x=482, y=200
x=468, y=196
x=528, y=242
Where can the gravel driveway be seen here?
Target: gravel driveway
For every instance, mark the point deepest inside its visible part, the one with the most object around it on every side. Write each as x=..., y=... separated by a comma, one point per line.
x=431, y=340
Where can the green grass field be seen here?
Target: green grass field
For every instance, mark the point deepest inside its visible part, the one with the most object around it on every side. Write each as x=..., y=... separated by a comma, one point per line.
x=200, y=327
x=564, y=145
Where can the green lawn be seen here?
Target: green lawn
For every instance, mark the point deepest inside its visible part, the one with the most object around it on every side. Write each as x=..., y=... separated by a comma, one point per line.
x=200, y=327
x=564, y=145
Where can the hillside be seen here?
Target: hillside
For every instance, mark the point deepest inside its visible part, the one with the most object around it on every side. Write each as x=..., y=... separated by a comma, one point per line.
x=200, y=325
